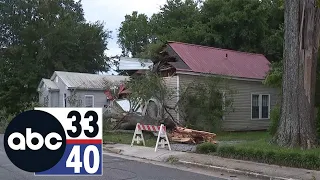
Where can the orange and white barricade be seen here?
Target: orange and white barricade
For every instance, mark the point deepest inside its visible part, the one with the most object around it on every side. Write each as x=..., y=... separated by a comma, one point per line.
x=162, y=138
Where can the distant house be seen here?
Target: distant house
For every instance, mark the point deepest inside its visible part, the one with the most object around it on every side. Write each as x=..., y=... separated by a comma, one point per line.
x=72, y=89
x=134, y=66
x=246, y=71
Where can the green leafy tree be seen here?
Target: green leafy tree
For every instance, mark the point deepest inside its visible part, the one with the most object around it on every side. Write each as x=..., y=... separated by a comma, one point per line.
x=247, y=25
x=178, y=20
x=134, y=34
x=39, y=37
x=204, y=103
x=143, y=88
x=274, y=76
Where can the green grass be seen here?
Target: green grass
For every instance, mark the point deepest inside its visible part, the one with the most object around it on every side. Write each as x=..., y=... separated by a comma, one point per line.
x=266, y=145
x=259, y=140
x=264, y=152
x=256, y=146
x=126, y=138
x=252, y=140
x=242, y=136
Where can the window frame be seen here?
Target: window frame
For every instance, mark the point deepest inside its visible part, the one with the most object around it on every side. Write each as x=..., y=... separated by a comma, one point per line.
x=85, y=105
x=224, y=103
x=260, y=105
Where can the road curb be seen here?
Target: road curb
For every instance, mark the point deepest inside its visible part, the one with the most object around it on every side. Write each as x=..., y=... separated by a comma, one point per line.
x=113, y=150
x=235, y=171
x=220, y=168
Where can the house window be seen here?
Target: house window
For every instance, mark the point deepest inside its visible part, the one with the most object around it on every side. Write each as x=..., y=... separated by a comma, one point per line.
x=89, y=101
x=64, y=100
x=255, y=106
x=260, y=106
x=265, y=106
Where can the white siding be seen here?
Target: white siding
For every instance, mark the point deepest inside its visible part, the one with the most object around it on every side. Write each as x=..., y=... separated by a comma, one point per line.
x=171, y=83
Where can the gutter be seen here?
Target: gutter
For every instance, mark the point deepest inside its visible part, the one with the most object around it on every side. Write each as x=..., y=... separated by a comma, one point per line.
x=91, y=89
x=180, y=71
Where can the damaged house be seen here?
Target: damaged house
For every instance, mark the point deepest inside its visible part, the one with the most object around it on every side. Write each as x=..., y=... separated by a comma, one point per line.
x=188, y=63
x=245, y=71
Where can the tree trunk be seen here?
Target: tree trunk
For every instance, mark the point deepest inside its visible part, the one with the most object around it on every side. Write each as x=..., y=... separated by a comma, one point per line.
x=301, y=41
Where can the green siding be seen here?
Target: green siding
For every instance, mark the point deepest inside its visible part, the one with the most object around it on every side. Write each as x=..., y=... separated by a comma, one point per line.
x=240, y=118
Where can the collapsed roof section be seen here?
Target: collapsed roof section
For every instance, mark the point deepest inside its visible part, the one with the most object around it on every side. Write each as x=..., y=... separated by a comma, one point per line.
x=127, y=63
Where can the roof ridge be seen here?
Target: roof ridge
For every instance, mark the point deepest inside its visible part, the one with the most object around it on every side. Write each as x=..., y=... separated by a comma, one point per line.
x=102, y=75
x=210, y=47
x=76, y=72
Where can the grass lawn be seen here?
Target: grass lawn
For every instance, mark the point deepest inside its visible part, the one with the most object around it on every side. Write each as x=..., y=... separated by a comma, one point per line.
x=254, y=139
x=126, y=138
x=256, y=147
x=257, y=140
x=242, y=136
x=264, y=144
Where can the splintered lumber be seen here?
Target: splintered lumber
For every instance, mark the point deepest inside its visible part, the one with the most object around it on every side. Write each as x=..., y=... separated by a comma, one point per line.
x=181, y=134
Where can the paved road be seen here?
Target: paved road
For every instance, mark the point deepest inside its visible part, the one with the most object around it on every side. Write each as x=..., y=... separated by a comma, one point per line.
x=114, y=168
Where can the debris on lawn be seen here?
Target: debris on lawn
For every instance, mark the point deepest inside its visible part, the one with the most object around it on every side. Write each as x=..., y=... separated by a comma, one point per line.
x=150, y=113
x=185, y=135
x=124, y=117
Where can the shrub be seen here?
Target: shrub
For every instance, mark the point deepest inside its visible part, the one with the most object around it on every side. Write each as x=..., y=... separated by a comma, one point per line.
x=206, y=148
x=203, y=103
x=274, y=120
x=5, y=118
x=298, y=159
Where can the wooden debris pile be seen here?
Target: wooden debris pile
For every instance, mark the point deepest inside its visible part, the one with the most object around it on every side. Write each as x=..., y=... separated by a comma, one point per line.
x=185, y=135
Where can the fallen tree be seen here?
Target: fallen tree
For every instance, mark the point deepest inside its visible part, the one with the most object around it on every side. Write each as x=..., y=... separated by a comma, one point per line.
x=185, y=135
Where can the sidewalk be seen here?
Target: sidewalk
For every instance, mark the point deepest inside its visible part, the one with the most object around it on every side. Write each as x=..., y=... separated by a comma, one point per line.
x=259, y=170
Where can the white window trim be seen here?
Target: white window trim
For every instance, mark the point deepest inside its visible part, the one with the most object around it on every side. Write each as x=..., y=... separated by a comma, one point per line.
x=224, y=102
x=85, y=100
x=260, y=106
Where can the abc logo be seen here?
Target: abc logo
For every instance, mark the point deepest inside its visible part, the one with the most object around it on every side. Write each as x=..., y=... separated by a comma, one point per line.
x=35, y=141
x=28, y=141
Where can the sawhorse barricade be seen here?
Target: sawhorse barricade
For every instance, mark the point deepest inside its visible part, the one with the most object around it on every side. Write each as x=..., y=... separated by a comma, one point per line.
x=162, y=135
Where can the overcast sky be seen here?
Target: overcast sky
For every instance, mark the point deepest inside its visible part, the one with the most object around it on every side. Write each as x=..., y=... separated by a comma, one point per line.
x=112, y=13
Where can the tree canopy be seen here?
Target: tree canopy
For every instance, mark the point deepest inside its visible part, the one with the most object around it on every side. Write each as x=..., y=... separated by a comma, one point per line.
x=134, y=33
x=247, y=25
x=38, y=37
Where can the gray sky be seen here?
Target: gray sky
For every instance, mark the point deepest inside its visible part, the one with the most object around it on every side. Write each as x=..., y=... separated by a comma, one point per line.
x=112, y=13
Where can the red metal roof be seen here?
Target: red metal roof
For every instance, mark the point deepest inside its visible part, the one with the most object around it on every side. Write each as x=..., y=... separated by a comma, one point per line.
x=204, y=59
